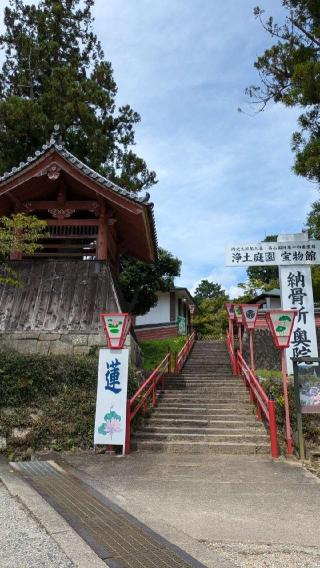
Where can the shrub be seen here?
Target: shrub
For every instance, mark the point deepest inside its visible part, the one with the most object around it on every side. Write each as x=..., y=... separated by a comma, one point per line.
x=52, y=398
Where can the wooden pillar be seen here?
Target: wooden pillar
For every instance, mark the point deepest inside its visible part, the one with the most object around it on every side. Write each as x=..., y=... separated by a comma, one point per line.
x=102, y=241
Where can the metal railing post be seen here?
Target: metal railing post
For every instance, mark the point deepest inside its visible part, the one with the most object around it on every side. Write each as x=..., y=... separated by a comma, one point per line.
x=273, y=427
x=169, y=360
x=128, y=430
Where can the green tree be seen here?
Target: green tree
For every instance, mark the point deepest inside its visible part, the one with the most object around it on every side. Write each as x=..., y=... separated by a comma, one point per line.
x=263, y=277
x=140, y=281
x=208, y=289
x=211, y=318
x=55, y=72
x=290, y=74
x=20, y=233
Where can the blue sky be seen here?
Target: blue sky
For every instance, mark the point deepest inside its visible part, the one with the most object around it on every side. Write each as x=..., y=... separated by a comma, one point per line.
x=224, y=177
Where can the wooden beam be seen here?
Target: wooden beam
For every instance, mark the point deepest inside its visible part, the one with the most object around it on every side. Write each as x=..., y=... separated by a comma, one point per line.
x=45, y=205
x=73, y=222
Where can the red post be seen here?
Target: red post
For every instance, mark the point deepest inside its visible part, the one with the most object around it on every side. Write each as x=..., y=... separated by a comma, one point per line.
x=169, y=361
x=251, y=349
x=273, y=427
x=286, y=401
x=128, y=430
x=240, y=338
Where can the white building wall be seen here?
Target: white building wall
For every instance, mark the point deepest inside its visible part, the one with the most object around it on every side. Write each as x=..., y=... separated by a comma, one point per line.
x=159, y=314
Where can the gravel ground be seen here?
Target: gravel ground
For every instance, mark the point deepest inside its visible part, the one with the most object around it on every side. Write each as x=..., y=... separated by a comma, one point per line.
x=23, y=542
x=268, y=556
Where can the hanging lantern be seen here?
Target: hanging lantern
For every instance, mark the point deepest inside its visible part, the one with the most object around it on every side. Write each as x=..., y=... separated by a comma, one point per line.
x=249, y=314
x=192, y=309
x=116, y=327
x=238, y=314
x=230, y=309
x=280, y=323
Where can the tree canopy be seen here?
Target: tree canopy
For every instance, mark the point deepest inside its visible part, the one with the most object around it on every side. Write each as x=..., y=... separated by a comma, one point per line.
x=208, y=289
x=211, y=319
x=290, y=74
x=55, y=72
x=20, y=233
x=140, y=281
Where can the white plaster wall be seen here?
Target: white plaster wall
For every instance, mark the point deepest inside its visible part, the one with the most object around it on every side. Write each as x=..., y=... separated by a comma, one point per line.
x=159, y=314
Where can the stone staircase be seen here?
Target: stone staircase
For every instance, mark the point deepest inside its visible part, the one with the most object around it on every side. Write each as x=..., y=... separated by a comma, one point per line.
x=204, y=409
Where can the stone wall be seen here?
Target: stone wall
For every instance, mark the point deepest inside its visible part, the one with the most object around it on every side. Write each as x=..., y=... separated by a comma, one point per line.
x=266, y=355
x=53, y=343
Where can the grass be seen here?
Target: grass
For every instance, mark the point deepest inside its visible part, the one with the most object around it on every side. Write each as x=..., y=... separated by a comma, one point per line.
x=266, y=374
x=154, y=350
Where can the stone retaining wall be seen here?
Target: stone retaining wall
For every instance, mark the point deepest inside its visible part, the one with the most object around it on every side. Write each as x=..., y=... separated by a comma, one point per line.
x=53, y=343
x=266, y=355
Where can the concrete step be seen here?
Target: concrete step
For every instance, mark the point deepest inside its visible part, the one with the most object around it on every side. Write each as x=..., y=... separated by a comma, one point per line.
x=205, y=413
x=185, y=447
x=201, y=426
x=181, y=397
x=202, y=421
x=230, y=407
x=201, y=437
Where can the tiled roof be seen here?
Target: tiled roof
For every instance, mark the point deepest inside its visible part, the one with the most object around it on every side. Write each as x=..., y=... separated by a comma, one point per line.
x=53, y=144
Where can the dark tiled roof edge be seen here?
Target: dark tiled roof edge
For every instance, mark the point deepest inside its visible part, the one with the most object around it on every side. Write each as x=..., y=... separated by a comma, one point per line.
x=53, y=144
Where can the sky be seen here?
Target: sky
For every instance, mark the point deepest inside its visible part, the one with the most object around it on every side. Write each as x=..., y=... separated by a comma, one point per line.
x=224, y=177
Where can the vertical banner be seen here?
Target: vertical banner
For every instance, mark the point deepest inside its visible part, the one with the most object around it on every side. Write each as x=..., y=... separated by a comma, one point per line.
x=111, y=404
x=297, y=294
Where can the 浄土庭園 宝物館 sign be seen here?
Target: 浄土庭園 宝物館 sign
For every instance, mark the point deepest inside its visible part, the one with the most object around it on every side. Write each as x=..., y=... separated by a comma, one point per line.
x=294, y=255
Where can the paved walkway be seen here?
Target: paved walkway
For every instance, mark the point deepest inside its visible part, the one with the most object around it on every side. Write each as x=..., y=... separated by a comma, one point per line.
x=251, y=511
x=23, y=542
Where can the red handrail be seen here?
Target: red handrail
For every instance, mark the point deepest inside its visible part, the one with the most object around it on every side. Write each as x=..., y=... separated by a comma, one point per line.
x=140, y=398
x=264, y=403
x=181, y=357
x=232, y=355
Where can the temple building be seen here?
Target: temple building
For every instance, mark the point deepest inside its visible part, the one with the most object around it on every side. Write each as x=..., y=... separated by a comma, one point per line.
x=72, y=278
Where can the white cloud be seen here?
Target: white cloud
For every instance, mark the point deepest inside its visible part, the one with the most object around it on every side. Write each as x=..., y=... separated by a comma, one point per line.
x=224, y=177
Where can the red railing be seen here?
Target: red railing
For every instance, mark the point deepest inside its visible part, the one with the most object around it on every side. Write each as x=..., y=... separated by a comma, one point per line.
x=265, y=404
x=181, y=357
x=146, y=390
x=149, y=387
x=232, y=355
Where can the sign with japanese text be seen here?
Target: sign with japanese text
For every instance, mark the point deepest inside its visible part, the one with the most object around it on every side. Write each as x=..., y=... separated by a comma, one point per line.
x=297, y=294
x=250, y=314
x=111, y=404
x=182, y=325
x=273, y=253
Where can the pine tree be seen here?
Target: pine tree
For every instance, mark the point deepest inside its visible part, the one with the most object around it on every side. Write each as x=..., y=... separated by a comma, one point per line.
x=290, y=74
x=55, y=72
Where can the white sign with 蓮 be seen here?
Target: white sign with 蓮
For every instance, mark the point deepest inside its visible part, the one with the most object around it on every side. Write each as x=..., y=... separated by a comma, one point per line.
x=273, y=254
x=297, y=294
x=111, y=405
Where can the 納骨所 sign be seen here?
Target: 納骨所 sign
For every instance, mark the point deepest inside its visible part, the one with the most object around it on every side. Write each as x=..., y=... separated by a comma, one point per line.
x=111, y=405
x=273, y=254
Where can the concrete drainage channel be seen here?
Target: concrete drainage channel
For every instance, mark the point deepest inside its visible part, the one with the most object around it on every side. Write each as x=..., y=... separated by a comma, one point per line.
x=119, y=539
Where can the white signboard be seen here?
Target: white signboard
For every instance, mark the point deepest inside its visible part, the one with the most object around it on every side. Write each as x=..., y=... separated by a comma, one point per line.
x=297, y=294
x=111, y=405
x=273, y=253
